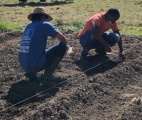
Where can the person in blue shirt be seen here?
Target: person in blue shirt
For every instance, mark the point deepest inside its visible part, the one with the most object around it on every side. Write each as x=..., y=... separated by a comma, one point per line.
x=33, y=54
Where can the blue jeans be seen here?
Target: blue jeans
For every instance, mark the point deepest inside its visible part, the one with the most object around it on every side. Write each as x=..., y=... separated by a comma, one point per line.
x=88, y=41
x=54, y=52
x=58, y=50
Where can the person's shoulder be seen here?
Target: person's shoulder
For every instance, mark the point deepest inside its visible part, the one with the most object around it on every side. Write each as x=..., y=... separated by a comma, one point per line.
x=46, y=22
x=29, y=25
x=101, y=13
x=41, y=22
x=98, y=15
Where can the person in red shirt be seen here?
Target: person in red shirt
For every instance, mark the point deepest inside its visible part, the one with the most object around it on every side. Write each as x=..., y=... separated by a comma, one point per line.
x=95, y=33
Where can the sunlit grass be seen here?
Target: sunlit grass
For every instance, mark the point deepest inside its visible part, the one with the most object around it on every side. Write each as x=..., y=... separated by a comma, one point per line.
x=132, y=31
x=6, y=26
x=72, y=27
x=71, y=17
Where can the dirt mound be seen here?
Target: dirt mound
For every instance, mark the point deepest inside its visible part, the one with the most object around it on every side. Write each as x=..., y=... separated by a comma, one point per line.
x=9, y=36
x=103, y=88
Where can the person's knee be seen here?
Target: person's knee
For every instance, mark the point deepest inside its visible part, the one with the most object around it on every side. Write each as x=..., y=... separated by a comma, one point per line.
x=62, y=49
x=62, y=46
x=117, y=37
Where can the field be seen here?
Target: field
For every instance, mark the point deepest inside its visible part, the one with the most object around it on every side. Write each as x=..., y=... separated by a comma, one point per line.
x=104, y=88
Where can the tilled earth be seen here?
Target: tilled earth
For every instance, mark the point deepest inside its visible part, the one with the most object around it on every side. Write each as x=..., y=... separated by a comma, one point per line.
x=103, y=88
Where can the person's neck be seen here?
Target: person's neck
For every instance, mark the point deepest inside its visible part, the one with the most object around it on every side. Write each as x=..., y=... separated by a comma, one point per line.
x=36, y=20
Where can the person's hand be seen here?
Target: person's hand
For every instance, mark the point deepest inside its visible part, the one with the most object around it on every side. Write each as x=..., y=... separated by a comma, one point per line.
x=107, y=48
x=122, y=56
x=68, y=50
x=67, y=47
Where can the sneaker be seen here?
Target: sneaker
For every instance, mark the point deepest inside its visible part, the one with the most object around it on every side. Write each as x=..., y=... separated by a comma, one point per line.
x=52, y=80
x=52, y=77
x=83, y=59
x=31, y=77
x=100, y=51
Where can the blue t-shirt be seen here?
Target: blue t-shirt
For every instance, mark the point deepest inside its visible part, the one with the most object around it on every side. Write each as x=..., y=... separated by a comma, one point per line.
x=33, y=44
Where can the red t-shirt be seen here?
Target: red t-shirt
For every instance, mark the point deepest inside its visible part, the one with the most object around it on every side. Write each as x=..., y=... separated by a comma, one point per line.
x=98, y=19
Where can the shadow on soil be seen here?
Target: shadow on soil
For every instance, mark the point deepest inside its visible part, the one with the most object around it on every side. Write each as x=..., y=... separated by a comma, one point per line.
x=30, y=91
x=96, y=64
x=36, y=4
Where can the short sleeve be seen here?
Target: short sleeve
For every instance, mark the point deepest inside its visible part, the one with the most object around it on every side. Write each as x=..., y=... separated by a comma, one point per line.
x=51, y=30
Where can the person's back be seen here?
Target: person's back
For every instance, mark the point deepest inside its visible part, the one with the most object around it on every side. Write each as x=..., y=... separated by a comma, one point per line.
x=32, y=47
x=33, y=55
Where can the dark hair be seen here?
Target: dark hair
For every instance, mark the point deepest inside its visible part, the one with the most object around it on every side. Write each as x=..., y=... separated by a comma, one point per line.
x=37, y=17
x=113, y=12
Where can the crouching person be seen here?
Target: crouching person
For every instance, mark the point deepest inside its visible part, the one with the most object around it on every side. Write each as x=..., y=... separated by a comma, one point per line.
x=33, y=55
x=95, y=35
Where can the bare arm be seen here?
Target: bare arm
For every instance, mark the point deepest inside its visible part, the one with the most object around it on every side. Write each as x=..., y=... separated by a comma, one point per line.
x=97, y=35
x=120, y=42
x=121, y=54
x=61, y=37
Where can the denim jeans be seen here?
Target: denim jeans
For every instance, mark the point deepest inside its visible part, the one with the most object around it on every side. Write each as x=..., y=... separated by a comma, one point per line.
x=58, y=50
x=88, y=41
x=54, y=52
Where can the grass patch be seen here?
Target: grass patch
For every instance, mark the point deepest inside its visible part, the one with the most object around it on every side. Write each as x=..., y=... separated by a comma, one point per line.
x=67, y=27
x=70, y=29
x=71, y=17
x=73, y=27
x=8, y=27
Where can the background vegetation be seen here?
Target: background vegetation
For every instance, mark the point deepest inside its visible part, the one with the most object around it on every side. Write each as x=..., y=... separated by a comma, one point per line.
x=70, y=17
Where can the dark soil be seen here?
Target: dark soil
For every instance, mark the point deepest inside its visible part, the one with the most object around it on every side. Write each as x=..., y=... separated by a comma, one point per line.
x=104, y=88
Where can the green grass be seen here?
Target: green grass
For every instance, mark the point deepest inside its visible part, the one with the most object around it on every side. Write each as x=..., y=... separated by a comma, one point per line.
x=74, y=27
x=9, y=26
x=71, y=17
